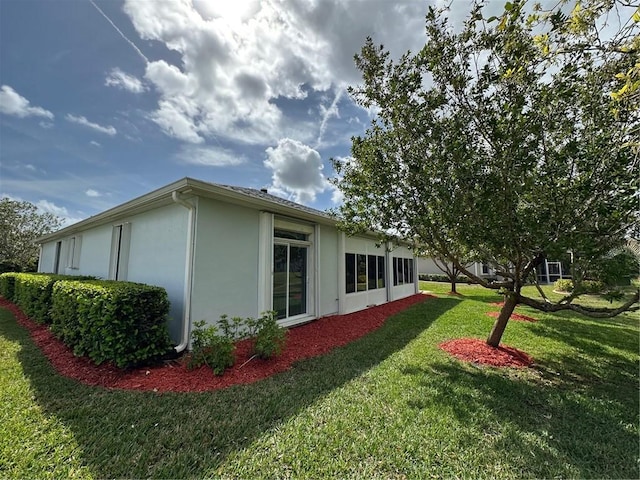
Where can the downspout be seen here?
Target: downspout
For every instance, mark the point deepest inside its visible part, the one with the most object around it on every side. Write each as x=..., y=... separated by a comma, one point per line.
x=188, y=270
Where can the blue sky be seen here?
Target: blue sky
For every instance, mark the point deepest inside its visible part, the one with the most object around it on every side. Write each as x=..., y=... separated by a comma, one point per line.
x=105, y=100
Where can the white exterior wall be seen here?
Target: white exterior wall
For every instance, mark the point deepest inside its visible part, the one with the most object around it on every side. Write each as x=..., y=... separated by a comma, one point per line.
x=157, y=254
x=328, y=270
x=225, y=276
x=428, y=267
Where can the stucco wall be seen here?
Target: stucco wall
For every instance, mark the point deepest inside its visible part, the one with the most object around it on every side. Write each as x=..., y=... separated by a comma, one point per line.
x=328, y=265
x=157, y=254
x=225, y=277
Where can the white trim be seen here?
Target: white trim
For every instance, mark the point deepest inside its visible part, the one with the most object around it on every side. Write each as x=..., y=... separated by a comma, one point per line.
x=265, y=262
x=188, y=268
x=316, y=270
x=342, y=271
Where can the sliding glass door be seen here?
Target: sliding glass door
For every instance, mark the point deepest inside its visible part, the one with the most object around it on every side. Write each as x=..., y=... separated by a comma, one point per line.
x=289, y=279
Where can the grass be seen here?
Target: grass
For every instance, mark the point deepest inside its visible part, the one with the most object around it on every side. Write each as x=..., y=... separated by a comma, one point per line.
x=391, y=405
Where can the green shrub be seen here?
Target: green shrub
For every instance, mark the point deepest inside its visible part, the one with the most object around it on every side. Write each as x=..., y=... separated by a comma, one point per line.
x=563, y=285
x=270, y=337
x=441, y=277
x=8, y=285
x=216, y=351
x=209, y=348
x=32, y=293
x=592, y=286
x=119, y=322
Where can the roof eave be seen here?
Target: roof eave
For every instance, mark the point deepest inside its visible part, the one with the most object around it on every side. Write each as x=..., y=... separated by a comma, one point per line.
x=185, y=185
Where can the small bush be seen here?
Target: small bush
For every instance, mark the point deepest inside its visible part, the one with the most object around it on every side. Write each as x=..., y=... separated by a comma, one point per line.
x=591, y=287
x=270, y=337
x=563, y=285
x=211, y=349
x=119, y=322
x=216, y=351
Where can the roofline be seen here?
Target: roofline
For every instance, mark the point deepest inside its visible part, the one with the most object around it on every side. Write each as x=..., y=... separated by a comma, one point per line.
x=192, y=186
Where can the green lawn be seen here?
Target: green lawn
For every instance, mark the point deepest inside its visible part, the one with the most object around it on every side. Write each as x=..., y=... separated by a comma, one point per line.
x=391, y=405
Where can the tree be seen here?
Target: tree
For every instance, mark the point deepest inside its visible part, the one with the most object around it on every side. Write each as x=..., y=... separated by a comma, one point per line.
x=502, y=139
x=20, y=224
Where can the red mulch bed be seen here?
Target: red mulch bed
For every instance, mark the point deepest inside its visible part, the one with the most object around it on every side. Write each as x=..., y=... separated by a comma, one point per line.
x=306, y=341
x=514, y=316
x=477, y=351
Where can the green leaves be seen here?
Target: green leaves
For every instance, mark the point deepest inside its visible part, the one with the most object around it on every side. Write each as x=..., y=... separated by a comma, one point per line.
x=109, y=321
x=497, y=140
x=20, y=224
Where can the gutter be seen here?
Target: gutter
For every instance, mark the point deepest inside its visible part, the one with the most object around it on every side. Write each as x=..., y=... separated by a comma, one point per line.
x=188, y=270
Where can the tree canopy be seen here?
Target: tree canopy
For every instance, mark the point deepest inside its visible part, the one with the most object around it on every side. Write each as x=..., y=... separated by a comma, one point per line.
x=20, y=224
x=512, y=139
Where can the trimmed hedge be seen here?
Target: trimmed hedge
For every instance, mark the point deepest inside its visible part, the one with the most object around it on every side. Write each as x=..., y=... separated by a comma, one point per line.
x=111, y=321
x=32, y=293
x=441, y=277
x=8, y=285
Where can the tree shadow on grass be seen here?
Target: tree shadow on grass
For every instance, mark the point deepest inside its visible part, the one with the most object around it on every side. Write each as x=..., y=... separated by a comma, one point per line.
x=180, y=435
x=591, y=335
x=568, y=419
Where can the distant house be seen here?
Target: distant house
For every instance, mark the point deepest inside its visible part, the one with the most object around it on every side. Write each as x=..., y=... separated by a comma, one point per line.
x=219, y=249
x=547, y=272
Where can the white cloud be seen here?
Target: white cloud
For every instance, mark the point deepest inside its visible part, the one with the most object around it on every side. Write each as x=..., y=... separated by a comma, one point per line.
x=297, y=170
x=12, y=103
x=50, y=207
x=80, y=120
x=94, y=143
x=117, y=78
x=92, y=193
x=209, y=156
x=237, y=61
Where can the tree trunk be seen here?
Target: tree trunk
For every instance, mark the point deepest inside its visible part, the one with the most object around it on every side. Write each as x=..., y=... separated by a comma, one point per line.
x=495, y=336
x=453, y=285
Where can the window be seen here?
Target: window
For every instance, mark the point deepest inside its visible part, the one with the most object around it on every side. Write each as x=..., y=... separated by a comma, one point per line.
x=303, y=237
x=292, y=259
x=350, y=263
x=372, y=272
x=402, y=271
x=485, y=269
x=381, y=271
x=363, y=272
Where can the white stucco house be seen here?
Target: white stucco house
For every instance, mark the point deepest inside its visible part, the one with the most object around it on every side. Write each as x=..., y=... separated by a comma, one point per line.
x=219, y=249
